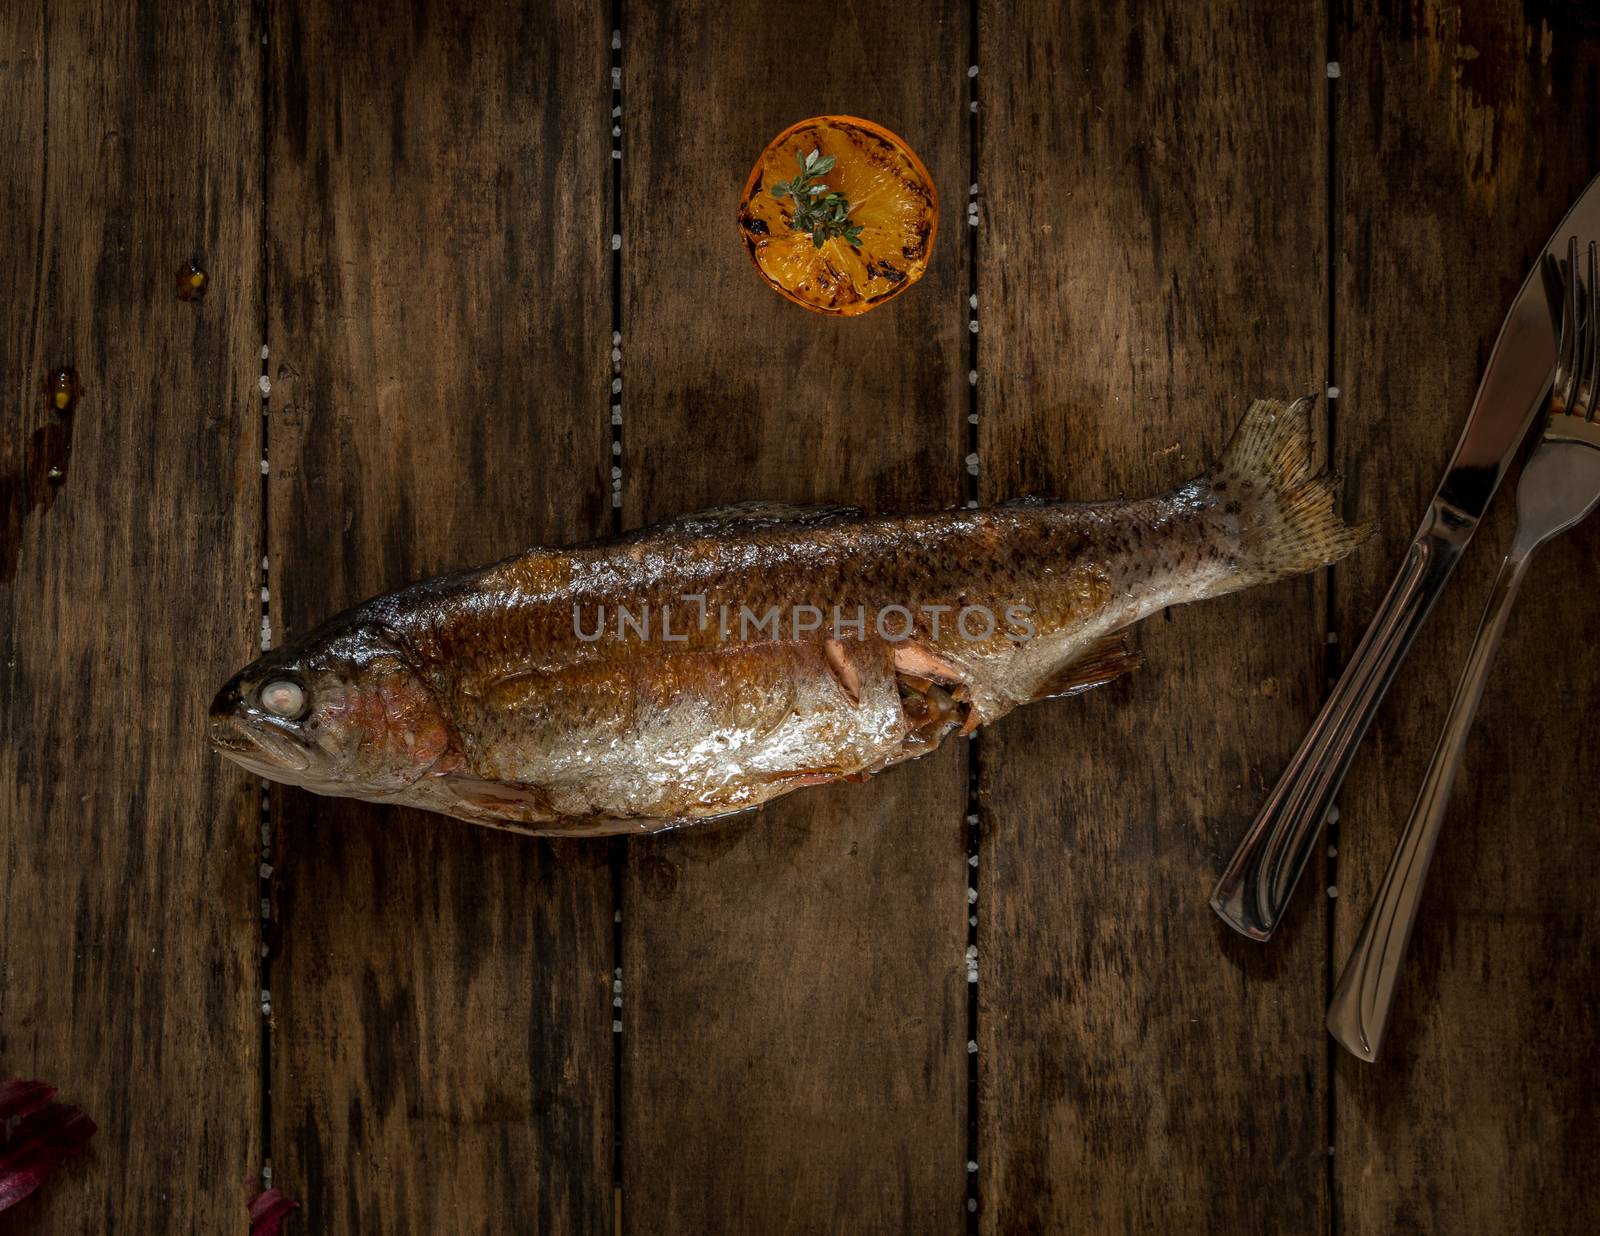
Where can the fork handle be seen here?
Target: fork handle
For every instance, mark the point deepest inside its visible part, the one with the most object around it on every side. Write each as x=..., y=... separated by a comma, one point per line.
x=1358, y=1016
x=1255, y=889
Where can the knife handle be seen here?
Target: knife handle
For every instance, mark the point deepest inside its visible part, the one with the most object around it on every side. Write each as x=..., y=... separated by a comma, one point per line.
x=1256, y=887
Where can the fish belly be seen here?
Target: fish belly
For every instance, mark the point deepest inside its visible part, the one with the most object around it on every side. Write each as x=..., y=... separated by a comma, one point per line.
x=691, y=734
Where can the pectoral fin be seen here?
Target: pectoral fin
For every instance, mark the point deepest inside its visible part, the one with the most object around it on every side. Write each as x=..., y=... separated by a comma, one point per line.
x=505, y=800
x=1108, y=658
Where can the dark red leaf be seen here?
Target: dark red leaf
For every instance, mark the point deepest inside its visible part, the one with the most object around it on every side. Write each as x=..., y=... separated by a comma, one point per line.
x=18, y=1098
x=268, y=1211
x=43, y=1135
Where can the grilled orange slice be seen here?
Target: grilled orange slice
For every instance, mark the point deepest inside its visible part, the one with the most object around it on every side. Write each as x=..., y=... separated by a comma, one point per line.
x=839, y=215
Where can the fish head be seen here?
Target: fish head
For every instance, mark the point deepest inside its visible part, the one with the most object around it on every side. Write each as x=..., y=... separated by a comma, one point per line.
x=340, y=711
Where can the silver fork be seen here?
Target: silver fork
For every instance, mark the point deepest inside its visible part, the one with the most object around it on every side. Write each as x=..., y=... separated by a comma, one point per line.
x=1560, y=485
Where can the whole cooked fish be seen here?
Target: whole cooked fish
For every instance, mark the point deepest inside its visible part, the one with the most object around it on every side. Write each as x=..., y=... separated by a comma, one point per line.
x=710, y=664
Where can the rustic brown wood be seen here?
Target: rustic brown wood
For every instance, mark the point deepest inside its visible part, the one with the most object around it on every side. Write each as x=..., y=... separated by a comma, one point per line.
x=437, y=288
x=440, y=331
x=1151, y=255
x=795, y=1017
x=1465, y=134
x=127, y=851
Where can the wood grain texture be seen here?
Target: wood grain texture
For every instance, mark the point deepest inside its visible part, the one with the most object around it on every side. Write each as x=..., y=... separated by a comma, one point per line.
x=127, y=852
x=1465, y=134
x=795, y=1009
x=440, y=336
x=437, y=289
x=1151, y=184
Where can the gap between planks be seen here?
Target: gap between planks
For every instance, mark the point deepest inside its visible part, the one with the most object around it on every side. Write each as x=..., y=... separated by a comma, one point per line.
x=1332, y=660
x=265, y=888
x=616, y=853
x=973, y=815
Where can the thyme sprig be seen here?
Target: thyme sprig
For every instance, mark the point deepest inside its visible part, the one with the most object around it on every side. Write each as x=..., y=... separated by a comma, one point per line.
x=817, y=209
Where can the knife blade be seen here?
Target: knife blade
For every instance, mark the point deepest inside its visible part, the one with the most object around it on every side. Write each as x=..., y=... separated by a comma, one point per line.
x=1255, y=889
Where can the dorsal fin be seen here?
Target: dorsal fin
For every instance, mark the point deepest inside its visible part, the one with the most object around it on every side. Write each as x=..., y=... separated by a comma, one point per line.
x=751, y=516
x=742, y=519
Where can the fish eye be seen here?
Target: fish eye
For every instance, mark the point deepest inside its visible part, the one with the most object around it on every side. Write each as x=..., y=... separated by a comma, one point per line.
x=284, y=698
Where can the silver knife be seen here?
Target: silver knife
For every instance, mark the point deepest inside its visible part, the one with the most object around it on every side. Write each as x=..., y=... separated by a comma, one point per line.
x=1256, y=887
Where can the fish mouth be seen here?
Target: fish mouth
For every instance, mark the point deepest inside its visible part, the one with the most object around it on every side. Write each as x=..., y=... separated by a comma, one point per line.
x=260, y=750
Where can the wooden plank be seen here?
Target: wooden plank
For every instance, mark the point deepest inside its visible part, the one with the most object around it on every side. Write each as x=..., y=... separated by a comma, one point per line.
x=1151, y=256
x=1464, y=134
x=128, y=929
x=440, y=338
x=795, y=1022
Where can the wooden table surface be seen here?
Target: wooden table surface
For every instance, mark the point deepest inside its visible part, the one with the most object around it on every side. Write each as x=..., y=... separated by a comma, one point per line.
x=474, y=285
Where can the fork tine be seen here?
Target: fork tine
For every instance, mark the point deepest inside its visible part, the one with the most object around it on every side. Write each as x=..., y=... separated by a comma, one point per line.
x=1591, y=345
x=1566, y=369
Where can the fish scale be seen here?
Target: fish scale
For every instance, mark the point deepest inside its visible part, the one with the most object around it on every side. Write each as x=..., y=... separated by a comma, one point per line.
x=713, y=663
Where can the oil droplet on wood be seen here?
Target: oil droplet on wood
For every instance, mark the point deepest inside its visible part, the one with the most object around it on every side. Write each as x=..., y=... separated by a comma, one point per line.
x=192, y=281
x=62, y=389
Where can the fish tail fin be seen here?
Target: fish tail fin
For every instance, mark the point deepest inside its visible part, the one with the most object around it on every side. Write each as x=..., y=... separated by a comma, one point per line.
x=1286, y=521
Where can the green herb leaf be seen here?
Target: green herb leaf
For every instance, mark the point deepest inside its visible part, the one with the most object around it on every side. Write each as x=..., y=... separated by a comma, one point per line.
x=822, y=212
